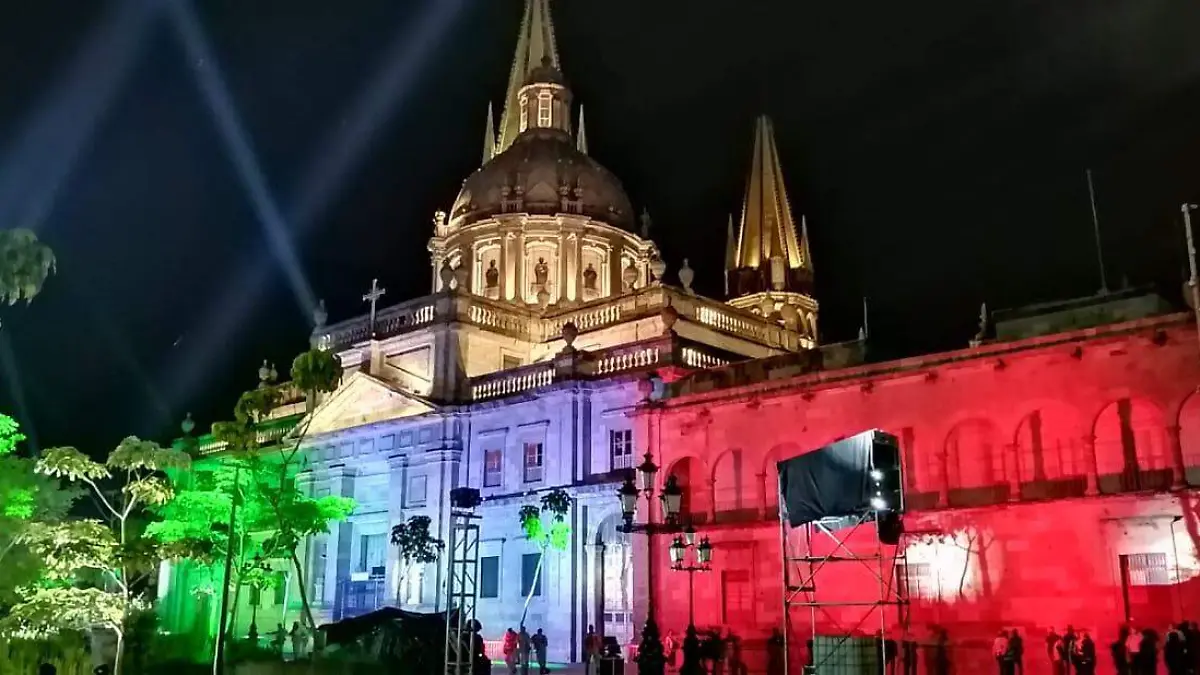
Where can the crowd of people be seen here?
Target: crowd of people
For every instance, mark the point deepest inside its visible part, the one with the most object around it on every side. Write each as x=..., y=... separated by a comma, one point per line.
x=518, y=647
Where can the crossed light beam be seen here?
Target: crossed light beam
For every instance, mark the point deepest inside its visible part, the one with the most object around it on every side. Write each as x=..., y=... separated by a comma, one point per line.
x=42, y=154
x=337, y=156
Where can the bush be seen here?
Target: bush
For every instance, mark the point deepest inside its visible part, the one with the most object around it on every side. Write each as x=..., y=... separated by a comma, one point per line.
x=67, y=652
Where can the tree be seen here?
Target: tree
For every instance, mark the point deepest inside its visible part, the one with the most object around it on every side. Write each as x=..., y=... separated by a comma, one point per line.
x=117, y=550
x=291, y=516
x=557, y=503
x=417, y=547
x=25, y=264
x=25, y=497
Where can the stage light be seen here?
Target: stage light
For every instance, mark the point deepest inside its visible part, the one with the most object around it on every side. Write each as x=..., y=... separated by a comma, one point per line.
x=876, y=475
x=878, y=504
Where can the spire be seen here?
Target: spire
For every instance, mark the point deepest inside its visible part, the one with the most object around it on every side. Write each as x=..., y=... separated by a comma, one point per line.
x=535, y=44
x=730, y=252
x=805, y=254
x=768, y=229
x=489, y=137
x=581, y=135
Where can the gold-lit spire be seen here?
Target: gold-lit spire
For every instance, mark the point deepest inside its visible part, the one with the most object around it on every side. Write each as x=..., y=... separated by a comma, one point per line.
x=535, y=44
x=731, y=246
x=581, y=135
x=489, y=137
x=767, y=228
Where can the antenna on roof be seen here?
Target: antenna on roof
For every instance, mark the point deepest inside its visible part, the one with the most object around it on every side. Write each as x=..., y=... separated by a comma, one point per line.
x=1096, y=232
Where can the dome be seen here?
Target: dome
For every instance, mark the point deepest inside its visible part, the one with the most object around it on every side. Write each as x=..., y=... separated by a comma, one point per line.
x=541, y=173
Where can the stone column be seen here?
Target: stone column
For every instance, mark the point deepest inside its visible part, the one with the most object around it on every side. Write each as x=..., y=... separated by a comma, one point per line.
x=341, y=537
x=712, y=499
x=1093, y=469
x=1178, y=467
x=763, y=491
x=397, y=472
x=944, y=483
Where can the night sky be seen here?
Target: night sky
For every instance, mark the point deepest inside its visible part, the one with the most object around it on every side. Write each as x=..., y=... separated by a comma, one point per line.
x=937, y=148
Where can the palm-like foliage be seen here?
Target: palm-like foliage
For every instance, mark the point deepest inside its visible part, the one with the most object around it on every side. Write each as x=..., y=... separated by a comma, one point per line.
x=25, y=264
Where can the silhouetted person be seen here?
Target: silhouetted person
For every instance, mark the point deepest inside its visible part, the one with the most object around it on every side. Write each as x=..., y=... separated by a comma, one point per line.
x=1085, y=655
x=1059, y=656
x=1016, y=651
x=1070, y=640
x=1191, y=642
x=941, y=652
x=480, y=663
x=909, y=656
x=1120, y=655
x=539, y=647
x=1000, y=653
x=1052, y=639
x=775, y=653
x=1175, y=654
x=1145, y=662
x=523, y=648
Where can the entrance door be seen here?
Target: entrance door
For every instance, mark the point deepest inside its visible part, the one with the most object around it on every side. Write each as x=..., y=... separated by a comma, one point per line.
x=1146, y=588
x=614, y=571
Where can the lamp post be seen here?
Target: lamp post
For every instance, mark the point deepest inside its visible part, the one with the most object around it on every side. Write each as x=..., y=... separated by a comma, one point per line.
x=703, y=563
x=651, y=660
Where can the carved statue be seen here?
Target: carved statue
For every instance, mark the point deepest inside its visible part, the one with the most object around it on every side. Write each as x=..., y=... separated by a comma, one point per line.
x=492, y=275
x=589, y=278
x=541, y=272
x=439, y=219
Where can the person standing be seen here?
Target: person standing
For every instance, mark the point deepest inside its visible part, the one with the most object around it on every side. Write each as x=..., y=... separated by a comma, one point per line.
x=523, y=650
x=1070, y=640
x=299, y=641
x=1086, y=650
x=509, y=649
x=1000, y=652
x=1052, y=639
x=1060, y=656
x=1016, y=653
x=1175, y=654
x=592, y=646
x=1145, y=662
x=1120, y=653
x=278, y=638
x=539, y=647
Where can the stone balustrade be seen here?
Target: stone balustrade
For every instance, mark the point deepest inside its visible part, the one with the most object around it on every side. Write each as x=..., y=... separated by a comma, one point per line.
x=535, y=326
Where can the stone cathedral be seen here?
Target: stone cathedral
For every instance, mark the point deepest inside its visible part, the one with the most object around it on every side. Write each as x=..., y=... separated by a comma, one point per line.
x=549, y=311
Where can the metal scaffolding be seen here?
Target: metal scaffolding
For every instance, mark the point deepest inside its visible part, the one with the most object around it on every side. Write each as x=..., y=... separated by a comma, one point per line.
x=462, y=585
x=803, y=567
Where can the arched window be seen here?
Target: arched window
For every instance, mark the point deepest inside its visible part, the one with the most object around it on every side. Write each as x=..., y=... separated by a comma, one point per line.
x=728, y=483
x=1131, y=446
x=524, y=113
x=1049, y=445
x=691, y=479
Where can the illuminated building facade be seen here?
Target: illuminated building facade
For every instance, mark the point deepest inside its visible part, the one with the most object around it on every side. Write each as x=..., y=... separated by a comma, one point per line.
x=515, y=375
x=1050, y=475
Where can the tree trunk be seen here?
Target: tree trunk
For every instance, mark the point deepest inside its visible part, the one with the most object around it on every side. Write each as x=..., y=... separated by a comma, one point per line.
x=119, y=658
x=400, y=583
x=537, y=573
x=306, y=609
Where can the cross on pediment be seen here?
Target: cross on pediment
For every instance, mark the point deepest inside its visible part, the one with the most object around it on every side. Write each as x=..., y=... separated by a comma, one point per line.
x=373, y=297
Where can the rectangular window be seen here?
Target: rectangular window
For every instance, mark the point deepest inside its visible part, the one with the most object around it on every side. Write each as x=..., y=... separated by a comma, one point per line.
x=372, y=554
x=493, y=468
x=620, y=448
x=544, y=115
x=737, y=598
x=280, y=588
x=416, y=490
x=319, y=560
x=531, y=578
x=1147, y=569
x=916, y=580
x=510, y=361
x=534, y=458
x=489, y=576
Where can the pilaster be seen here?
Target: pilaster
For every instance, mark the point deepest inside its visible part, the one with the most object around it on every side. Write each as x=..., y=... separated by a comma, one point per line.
x=1178, y=469
x=1093, y=471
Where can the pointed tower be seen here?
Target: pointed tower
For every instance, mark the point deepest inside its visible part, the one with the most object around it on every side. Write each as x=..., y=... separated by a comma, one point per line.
x=489, y=138
x=581, y=135
x=535, y=46
x=769, y=270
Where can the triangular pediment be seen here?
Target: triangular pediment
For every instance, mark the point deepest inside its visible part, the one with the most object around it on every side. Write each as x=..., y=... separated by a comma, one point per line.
x=363, y=399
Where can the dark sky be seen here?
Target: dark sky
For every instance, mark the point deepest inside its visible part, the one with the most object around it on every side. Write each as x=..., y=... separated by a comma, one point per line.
x=938, y=149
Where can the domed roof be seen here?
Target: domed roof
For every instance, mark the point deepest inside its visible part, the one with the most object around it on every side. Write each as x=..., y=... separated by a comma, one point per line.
x=535, y=175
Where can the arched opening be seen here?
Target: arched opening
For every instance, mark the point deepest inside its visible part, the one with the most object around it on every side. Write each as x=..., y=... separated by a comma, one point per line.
x=1189, y=438
x=974, y=464
x=691, y=478
x=1050, y=457
x=1131, y=447
x=729, y=486
x=613, y=580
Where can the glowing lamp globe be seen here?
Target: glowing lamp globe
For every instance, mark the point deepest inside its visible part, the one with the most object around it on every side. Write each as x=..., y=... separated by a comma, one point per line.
x=672, y=497
x=647, y=470
x=677, y=550
x=628, y=494
x=704, y=552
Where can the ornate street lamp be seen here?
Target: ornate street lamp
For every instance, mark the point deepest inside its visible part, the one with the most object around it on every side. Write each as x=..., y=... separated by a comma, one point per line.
x=651, y=659
x=703, y=553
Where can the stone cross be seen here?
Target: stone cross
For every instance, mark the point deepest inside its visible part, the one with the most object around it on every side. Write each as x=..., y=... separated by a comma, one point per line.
x=373, y=297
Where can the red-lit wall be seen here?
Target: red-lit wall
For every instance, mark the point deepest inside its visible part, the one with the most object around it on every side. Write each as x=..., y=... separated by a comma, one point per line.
x=1031, y=469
